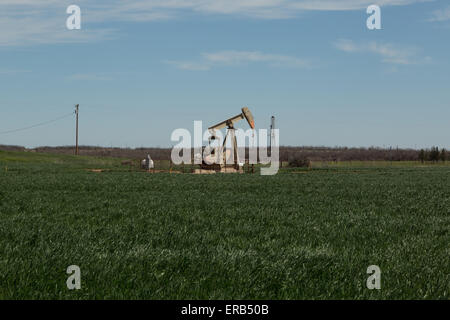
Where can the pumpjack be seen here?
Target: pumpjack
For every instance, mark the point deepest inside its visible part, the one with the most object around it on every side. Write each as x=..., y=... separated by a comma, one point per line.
x=224, y=159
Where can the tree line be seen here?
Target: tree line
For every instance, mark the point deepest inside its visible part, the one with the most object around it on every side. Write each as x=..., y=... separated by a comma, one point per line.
x=433, y=154
x=286, y=153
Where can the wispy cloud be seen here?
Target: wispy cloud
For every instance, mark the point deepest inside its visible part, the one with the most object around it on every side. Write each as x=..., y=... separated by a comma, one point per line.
x=345, y=5
x=389, y=53
x=233, y=58
x=43, y=21
x=254, y=8
x=441, y=15
x=38, y=26
x=191, y=66
x=89, y=77
x=13, y=72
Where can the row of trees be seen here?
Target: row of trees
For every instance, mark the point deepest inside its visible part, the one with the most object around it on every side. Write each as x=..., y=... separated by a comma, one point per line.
x=433, y=154
x=290, y=154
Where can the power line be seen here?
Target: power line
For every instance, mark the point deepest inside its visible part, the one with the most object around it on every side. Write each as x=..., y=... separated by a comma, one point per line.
x=38, y=124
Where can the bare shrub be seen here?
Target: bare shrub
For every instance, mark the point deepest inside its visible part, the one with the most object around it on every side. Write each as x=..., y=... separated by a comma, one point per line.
x=298, y=160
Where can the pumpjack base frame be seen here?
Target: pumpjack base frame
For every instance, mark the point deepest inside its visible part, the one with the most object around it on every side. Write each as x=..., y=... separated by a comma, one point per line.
x=217, y=168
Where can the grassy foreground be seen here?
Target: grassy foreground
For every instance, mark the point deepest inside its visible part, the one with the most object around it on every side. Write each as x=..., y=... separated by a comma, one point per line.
x=305, y=235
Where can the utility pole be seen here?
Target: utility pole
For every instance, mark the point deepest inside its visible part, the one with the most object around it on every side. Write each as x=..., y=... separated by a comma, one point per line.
x=76, y=112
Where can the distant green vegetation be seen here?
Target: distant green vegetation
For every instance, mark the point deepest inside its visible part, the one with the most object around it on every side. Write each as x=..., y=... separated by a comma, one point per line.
x=302, y=234
x=378, y=164
x=33, y=161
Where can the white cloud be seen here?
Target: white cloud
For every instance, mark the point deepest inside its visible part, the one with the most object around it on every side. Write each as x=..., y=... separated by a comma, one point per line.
x=341, y=5
x=236, y=57
x=43, y=21
x=192, y=66
x=441, y=15
x=12, y=72
x=347, y=45
x=254, y=8
x=37, y=24
x=389, y=53
x=89, y=77
x=233, y=58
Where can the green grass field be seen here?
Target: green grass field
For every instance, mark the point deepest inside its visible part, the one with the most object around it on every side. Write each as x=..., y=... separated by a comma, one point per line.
x=309, y=234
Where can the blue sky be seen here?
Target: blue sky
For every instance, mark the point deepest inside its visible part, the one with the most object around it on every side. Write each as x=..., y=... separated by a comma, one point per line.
x=140, y=69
